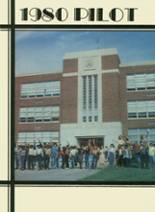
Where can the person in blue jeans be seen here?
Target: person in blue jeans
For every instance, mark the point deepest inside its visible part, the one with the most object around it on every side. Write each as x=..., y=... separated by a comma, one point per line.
x=95, y=157
x=90, y=160
x=73, y=153
x=111, y=155
x=86, y=157
x=39, y=153
x=22, y=157
x=55, y=156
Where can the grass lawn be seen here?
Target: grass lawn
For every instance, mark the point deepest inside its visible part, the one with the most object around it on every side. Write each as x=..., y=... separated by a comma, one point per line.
x=123, y=174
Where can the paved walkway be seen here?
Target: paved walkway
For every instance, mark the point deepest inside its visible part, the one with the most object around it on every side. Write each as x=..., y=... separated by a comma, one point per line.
x=54, y=174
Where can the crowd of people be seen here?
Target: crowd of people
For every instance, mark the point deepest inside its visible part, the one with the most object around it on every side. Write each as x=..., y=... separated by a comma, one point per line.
x=91, y=156
x=140, y=154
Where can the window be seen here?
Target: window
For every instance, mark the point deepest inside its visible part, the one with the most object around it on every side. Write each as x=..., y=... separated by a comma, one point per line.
x=40, y=89
x=84, y=118
x=141, y=109
x=90, y=91
x=95, y=92
x=84, y=93
x=132, y=115
x=130, y=82
x=135, y=133
x=142, y=114
x=89, y=97
x=140, y=82
x=150, y=81
x=151, y=114
x=42, y=137
x=39, y=114
x=95, y=118
x=131, y=110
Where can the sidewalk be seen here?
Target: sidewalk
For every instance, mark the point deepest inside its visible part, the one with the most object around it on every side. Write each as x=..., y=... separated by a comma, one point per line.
x=54, y=174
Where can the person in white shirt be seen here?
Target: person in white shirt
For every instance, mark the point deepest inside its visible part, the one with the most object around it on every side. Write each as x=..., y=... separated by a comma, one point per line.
x=154, y=155
x=39, y=152
x=111, y=155
x=72, y=155
x=151, y=155
x=31, y=157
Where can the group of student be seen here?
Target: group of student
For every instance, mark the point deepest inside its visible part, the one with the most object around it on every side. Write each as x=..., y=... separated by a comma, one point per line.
x=90, y=156
x=140, y=154
x=48, y=156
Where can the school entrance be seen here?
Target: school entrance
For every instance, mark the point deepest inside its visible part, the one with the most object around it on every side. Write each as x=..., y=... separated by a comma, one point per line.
x=93, y=140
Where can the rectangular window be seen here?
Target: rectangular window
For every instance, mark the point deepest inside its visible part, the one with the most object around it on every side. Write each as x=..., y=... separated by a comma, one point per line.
x=141, y=81
x=141, y=109
x=40, y=89
x=89, y=97
x=95, y=92
x=132, y=115
x=90, y=91
x=39, y=114
x=84, y=92
x=84, y=118
x=150, y=81
x=34, y=137
x=151, y=114
x=135, y=133
x=131, y=82
x=95, y=118
x=142, y=115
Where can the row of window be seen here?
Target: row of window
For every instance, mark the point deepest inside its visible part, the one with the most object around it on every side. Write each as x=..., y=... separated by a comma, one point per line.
x=141, y=81
x=52, y=88
x=39, y=114
x=90, y=118
x=90, y=92
x=42, y=137
x=134, y=134
x=40, y=89
x=136, y=109
x=141, y=109
x=89, y=98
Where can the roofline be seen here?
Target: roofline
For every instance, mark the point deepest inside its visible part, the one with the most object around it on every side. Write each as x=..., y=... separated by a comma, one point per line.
x=36, y=74
x=110, y=51
x=140, y=63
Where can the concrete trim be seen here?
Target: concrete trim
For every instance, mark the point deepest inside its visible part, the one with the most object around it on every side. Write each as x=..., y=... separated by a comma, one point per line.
x=95, y=52
x=72, y=74
x=110, y=71
x=141, y=63
x=38, y=74
x=70, y=132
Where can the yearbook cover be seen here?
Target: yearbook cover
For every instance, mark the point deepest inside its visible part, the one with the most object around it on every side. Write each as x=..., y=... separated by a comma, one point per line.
x=77, y=106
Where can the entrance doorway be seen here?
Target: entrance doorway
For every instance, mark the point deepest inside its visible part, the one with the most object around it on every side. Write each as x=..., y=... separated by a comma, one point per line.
x=84, y=141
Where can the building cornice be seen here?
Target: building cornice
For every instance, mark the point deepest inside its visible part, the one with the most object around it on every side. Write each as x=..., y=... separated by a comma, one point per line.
x=72, y=74
x=38, y=74
x=110, y=71
x=96, y=52
x=141, y=63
